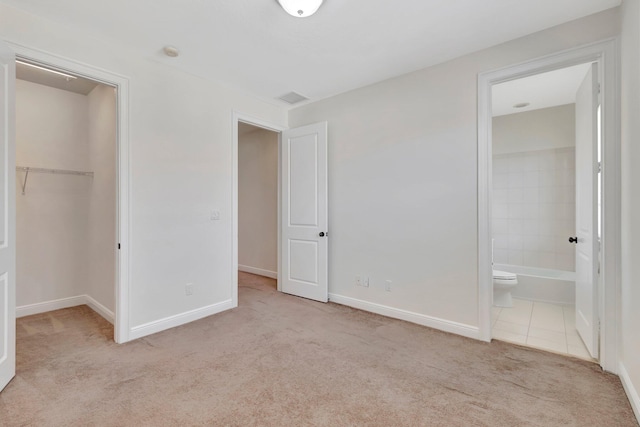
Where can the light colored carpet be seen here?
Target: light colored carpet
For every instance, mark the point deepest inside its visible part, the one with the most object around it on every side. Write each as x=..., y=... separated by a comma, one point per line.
x=278, y=360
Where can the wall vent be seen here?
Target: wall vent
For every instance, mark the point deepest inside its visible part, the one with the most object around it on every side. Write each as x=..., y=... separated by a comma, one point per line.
x=293, y=98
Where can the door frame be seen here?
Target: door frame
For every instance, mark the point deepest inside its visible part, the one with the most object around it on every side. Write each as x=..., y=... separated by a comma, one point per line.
x=237, y=118
x=605, y=53
x=123, y=205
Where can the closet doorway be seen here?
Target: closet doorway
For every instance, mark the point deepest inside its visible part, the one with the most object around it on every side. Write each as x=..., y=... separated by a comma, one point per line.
x=66, y=207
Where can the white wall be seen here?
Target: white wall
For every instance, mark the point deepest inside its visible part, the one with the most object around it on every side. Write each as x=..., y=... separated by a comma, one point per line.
x=403, y=178
x=180, y=136
x=51, y=132
x=258, y=202
x=630, y=298
x=101, y=244
x=534, y=188
x=543, y=129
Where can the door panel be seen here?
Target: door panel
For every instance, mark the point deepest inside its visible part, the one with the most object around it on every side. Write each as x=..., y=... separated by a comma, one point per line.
x=7, y=217
x=587, y=251
x=303, y=181
x=304, y=220
x=303, y=257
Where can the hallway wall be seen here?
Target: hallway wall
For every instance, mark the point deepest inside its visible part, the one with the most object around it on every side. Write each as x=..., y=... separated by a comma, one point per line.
x=258, y=202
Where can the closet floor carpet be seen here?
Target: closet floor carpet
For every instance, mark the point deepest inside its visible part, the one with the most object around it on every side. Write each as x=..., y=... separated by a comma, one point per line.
x=278, y=360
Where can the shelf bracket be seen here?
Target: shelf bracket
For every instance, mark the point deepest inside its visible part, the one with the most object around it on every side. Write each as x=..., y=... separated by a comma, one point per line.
x=27, y=169
x=24, y=184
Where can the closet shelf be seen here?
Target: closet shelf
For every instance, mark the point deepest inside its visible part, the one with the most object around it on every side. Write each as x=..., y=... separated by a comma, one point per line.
x=27, y=169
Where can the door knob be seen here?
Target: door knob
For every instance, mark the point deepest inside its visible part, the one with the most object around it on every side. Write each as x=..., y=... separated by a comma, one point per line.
x=573, y=240
x=321, y=234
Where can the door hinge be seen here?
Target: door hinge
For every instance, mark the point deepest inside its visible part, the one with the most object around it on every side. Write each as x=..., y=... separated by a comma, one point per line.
x=599, y=167
x=118, y=245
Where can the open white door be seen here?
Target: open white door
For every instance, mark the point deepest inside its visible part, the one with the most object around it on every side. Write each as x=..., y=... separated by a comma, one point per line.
x=304, y=215
x=587, y=246
x=7, y=217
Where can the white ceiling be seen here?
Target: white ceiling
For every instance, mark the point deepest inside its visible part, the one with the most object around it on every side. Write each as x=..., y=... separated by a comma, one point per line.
x=255, y=46
x=544, y=90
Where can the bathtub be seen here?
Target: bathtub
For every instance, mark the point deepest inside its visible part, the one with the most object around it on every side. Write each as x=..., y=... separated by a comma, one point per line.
x=542, y=284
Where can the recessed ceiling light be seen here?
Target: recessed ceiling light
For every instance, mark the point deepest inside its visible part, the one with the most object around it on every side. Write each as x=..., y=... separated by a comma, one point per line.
x=171, y=51
x=522, y=105
x=67, y=76
x=300, y=8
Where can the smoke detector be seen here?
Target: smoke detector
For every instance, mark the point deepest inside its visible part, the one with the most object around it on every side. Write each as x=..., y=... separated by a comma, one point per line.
x=171, y=51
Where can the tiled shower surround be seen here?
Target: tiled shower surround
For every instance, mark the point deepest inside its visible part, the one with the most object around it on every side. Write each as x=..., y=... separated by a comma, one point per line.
x=534, y=204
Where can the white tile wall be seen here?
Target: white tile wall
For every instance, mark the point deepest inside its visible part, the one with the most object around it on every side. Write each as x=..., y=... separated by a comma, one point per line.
x=534, y=207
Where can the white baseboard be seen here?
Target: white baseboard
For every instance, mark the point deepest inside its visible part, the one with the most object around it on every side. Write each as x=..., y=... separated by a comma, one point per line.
x=420, y=319
x=178, y=319
x=100, y=309
x=258, y=271
x=43, y=307
x=632, y=392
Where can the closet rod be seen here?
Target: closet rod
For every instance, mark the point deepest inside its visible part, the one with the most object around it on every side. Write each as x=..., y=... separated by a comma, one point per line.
x=53, y=171
x=27, y=169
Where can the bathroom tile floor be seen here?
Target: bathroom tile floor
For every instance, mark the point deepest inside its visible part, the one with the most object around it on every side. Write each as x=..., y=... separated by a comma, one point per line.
x=541, y=325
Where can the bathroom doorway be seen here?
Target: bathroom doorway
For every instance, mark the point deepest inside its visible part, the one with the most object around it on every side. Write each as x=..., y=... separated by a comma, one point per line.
x=528, y=163
x=537, y=124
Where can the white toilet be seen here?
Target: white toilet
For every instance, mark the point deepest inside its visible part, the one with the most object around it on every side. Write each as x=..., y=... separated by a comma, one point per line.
x=503, y=284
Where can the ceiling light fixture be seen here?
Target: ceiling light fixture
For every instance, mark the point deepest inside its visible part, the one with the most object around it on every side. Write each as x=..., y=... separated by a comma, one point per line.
x=300, y=8
x=67, y=76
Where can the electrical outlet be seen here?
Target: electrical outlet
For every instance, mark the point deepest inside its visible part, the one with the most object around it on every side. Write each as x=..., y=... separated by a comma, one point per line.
x=387, y=285
x=365, y=281
x=188, y=289
x=358, y=281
